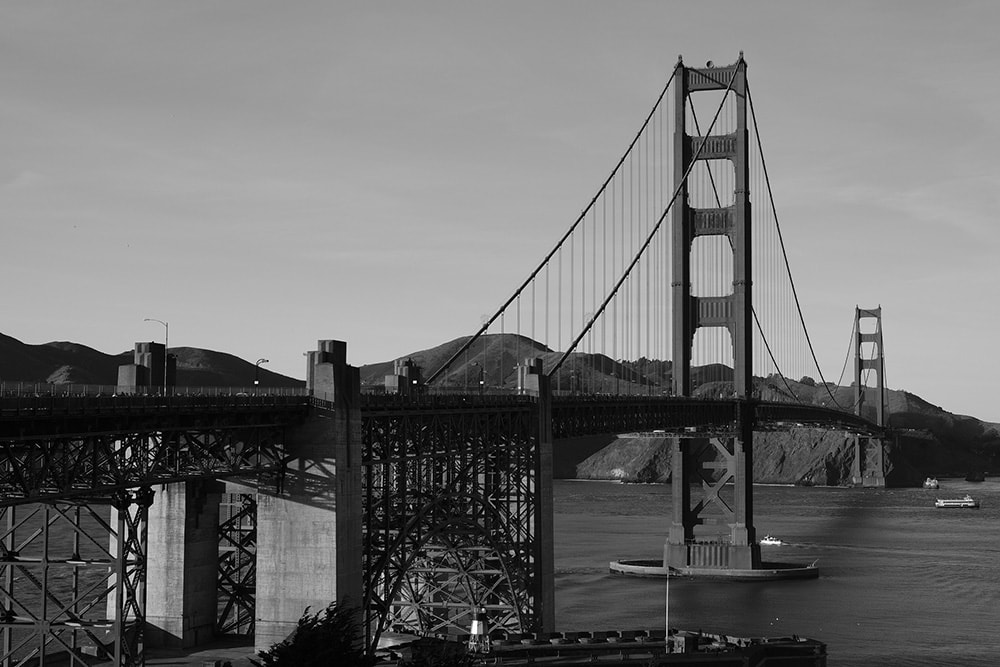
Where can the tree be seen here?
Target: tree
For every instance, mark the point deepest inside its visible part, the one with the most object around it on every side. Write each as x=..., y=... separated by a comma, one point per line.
x=330, y=637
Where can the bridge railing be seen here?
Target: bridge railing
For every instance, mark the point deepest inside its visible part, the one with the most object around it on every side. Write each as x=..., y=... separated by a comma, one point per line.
x=8, y=388
x=69, y=405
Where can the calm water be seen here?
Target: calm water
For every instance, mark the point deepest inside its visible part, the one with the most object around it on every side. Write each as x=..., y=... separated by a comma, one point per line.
x=901, y=583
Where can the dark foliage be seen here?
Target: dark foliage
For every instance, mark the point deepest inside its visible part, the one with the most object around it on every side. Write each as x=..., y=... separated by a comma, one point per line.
x=330, y=637
x=436, y=653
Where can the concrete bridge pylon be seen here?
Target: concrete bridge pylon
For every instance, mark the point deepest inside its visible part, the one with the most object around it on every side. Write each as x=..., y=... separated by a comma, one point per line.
x=309, y=530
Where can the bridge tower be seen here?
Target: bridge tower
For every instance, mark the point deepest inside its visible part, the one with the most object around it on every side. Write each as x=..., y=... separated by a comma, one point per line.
x=869, y=453
x=739, y=548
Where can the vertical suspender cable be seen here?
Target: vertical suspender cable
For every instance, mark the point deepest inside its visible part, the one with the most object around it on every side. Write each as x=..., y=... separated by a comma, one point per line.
x=559, y=244
x=784, y=254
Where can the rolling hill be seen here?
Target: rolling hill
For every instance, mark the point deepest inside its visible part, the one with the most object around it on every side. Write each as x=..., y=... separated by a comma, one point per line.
x=63, y=363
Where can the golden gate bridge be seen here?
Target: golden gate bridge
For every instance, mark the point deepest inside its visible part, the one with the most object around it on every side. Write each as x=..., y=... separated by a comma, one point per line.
x=666, y=309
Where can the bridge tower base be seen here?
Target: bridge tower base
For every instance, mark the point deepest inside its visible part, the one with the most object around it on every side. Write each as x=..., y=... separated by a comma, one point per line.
x=868, y=469
x=735, y=546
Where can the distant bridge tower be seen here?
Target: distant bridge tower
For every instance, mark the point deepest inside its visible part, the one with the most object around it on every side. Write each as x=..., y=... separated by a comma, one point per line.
x=869, y=453
x=738, y=549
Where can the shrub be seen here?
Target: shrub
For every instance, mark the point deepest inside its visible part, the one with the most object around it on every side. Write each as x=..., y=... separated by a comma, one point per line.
x=330, y=637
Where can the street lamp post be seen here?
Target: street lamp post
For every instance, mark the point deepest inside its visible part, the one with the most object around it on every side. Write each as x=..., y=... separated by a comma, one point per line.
x=256, y=373
x=166, y=342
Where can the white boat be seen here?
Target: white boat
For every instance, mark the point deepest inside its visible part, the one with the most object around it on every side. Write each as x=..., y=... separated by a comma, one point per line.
x=771, y=541
x=968, y=501
x=931, y=483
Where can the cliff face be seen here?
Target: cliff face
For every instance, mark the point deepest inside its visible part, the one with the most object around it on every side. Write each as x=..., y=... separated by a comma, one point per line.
x=801, y=456
x=927, y=441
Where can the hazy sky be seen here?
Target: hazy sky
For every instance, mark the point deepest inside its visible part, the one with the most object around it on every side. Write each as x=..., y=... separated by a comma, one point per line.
x=265, y=174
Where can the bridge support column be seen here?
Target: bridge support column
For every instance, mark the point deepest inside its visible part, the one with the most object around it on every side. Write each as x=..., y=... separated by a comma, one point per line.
x=744, y=549
x=868, y=469
x=531, y=380
x=309, y=532
x=675, y=551
x=182, y=564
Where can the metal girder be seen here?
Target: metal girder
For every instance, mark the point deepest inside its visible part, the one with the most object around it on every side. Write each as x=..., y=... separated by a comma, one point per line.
x=51, y=467
x=712, y=485
x=237, y=564
x=689, y=417
x=449, y=515
x=72, y=581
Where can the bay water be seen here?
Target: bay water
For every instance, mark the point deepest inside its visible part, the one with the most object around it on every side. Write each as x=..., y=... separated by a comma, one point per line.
x=900, y=581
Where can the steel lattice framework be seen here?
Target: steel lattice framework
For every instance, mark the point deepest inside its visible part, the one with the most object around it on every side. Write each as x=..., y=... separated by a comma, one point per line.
x=58, y=448
x=237, y=564
x=75, y=474
x=72, y=581
x=450, y=502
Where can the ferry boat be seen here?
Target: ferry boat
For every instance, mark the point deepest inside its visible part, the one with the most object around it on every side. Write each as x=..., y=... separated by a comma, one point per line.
x=931, y=483
x=968, y=501
x=771, y=541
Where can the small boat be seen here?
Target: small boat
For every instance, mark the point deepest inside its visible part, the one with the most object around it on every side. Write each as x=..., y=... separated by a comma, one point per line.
x=771, y=541
x=931, y=483
x=968, y=501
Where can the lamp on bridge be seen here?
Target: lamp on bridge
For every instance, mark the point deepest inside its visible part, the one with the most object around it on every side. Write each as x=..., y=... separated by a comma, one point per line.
x=256, y=373
x=166, y=341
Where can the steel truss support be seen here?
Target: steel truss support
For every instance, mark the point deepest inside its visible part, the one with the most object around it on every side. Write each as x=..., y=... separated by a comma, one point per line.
x=129, y=582
x=237, y=564
x=72, y=581
x=66, y=465
x=451, y=502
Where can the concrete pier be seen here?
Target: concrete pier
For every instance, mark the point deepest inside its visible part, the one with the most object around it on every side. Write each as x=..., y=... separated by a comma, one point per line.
x=182, y=564
x=309, y=531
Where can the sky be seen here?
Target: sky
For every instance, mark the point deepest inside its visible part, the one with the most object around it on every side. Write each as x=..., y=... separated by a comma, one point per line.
x=263, y=175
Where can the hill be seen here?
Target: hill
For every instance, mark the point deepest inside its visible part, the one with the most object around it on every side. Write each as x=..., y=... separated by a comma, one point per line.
x=64, y=363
